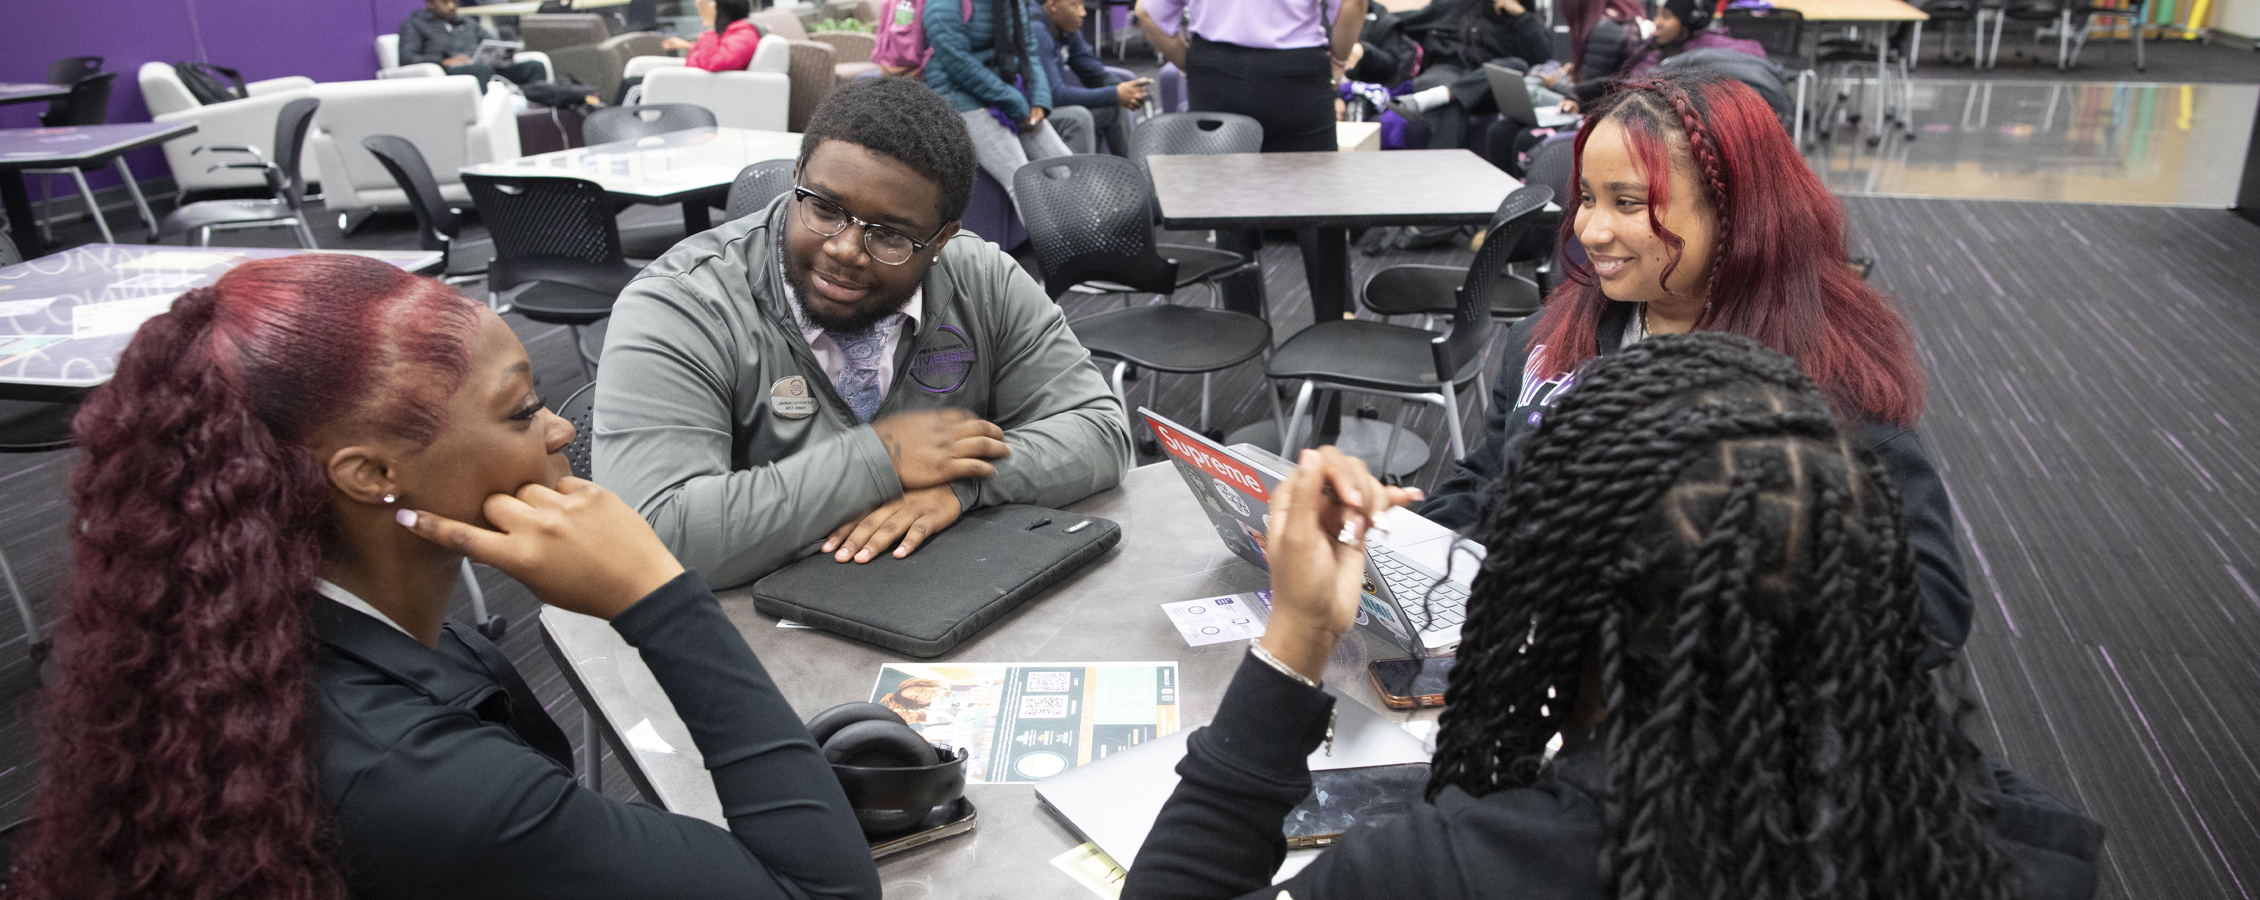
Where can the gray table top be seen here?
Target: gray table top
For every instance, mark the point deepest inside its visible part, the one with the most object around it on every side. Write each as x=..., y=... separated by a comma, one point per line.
x=26, y=93
x=28, y=148
x=1322, y=189
x=64, y=317
x=1109, y=612
x=662, y=168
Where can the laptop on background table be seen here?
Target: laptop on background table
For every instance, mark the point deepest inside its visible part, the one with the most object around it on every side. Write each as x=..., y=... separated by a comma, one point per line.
x=1513, y=97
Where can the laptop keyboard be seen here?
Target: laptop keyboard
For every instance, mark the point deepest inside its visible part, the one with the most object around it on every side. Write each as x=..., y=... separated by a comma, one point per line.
x=1448, y=605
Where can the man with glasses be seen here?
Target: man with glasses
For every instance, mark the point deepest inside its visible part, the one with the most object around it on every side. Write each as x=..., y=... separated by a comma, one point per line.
x=843, y=371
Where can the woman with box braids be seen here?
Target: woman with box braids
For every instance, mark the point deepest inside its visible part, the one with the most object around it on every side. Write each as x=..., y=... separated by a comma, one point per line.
x=1703, y=585
x=1692, y=537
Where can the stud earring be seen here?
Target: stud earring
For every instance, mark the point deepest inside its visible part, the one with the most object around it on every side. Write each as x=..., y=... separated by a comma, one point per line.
x=390, y=498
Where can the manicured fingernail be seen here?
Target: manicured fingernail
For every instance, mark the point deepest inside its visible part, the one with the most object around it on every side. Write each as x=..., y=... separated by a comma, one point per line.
x=1308, y=458
x=864, y=556
x=406, y=518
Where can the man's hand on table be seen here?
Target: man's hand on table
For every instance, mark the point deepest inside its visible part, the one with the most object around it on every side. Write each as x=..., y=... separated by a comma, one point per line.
x=912, y=517
x=932, y=447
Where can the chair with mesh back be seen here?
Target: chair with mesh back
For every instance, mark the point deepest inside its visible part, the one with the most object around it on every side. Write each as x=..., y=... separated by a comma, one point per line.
x=626, y=123
x=283, y=210
x=554, y=235
x=1370, y=357
x=1196, y=134
x=437, y=226
x=1432, y=291
x=1087, y=218
x=758, y=184
x=88, y=104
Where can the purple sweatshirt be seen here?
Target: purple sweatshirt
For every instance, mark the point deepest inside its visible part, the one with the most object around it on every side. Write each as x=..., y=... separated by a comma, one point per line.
x=1648, y=55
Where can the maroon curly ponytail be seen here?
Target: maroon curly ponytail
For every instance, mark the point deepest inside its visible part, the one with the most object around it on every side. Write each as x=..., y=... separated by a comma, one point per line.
x=176, y=759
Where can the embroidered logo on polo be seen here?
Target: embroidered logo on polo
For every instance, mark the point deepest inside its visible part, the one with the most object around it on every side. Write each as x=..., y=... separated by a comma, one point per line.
x=942, y=364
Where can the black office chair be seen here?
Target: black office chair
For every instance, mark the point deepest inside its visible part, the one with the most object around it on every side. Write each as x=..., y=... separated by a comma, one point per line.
x=2039, y=14
x=556, y=236
x=580, y=409
x=1947, y=13
x=437, y=225
x=1087, y=217
x=626, y=123
x=613, y=124
x=2135, y=13
x=1782, y=33
x=72, y=70
x=758, y=184
x=285, y=209
x=1202, y=134
x=88, y=104
x=1409, y=363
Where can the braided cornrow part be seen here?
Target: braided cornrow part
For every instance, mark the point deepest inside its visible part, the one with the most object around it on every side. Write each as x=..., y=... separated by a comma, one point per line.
x=1706, y=155
x=1690, y=534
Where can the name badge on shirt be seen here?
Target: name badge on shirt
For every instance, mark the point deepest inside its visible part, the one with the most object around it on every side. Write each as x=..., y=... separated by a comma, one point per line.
x=789, y=398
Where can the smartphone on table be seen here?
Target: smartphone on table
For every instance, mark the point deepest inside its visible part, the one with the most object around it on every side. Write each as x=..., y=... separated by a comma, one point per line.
x=1411, y=683
x=1342, y=798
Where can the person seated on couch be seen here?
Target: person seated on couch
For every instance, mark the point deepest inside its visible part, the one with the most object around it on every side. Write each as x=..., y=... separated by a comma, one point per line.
x=435, y=34
x=728, y=42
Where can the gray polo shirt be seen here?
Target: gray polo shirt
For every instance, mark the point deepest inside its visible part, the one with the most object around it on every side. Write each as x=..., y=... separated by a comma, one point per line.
x=699, y=426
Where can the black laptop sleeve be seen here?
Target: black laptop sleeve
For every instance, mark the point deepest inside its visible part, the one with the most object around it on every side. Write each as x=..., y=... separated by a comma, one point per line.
x=983, y=566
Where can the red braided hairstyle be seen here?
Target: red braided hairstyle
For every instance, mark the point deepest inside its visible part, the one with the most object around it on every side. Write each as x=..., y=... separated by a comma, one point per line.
x=176, y=754
x=1780, y=274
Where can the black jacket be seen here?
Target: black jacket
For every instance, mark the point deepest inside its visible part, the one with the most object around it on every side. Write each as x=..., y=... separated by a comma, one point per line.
x=1607, y=48
x=426, y=39
x=1448, y=39
x=1220, y=833
x=1458, y=502
x=437, y=791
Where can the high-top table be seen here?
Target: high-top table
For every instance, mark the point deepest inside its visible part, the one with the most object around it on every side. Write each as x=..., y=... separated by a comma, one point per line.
x=1322, y=196
x=1108, y=612
x=694, y=167
x=65, y=317
x=55, y=148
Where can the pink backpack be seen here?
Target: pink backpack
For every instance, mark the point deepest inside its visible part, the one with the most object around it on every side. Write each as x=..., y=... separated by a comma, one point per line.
x=901, y=40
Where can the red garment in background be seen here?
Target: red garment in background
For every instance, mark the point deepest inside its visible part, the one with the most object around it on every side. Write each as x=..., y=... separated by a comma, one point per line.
x=731, y=50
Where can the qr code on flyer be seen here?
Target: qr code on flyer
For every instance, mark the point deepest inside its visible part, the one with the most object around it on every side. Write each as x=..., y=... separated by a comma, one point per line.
x=1052, y=707
x=1049, y=682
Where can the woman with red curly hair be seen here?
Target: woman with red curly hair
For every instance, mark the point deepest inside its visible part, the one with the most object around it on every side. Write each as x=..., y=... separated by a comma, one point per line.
x=260, y=694
x=1697, y=213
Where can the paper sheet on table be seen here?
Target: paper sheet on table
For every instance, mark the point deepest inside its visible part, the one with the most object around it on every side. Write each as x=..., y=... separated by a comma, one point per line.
x=1215, y=620
x=1092, y=868
x=1024, y=722
x=13, y=308
x=117, y=316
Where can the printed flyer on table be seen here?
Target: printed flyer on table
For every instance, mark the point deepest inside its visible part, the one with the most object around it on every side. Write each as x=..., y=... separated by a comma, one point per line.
x=1024, y=722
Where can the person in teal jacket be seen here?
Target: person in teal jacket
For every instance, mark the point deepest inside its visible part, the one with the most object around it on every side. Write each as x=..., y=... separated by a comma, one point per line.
x=987, y=67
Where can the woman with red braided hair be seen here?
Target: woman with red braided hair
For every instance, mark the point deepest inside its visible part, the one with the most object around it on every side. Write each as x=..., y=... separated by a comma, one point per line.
x=260, y=694
x=1696, y=213
x=1699, y=585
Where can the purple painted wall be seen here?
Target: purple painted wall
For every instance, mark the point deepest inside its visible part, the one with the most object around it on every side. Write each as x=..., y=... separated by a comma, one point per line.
x=326, y=40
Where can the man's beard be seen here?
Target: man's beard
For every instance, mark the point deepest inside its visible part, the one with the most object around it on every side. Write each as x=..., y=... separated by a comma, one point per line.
x=852, y=323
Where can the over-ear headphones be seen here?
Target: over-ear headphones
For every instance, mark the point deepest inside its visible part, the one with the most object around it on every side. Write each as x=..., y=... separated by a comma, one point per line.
x=893, y=778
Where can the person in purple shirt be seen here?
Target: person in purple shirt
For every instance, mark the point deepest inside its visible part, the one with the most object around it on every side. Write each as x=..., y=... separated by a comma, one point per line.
x=1272, y=60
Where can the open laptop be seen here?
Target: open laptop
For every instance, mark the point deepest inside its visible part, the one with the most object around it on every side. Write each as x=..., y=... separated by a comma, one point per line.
x=1405, y=602
x=1513, y=96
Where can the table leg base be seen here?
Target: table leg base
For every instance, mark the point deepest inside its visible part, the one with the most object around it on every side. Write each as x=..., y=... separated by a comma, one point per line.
x=1362, y=438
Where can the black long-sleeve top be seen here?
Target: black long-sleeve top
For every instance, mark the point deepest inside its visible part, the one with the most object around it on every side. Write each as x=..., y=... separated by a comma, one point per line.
x=1607, y=48
x=1219, y=835
x=1458, y=502
x=436, y=793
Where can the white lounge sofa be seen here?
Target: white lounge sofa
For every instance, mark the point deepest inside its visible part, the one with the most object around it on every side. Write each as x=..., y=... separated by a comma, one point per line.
x=388, y=62
x=447, y=119
x=249, y=121
x=759, y=97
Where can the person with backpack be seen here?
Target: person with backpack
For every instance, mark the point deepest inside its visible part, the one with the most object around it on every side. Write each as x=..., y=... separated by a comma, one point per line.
x=728, y=42
x=986, y=66
x=436, y=34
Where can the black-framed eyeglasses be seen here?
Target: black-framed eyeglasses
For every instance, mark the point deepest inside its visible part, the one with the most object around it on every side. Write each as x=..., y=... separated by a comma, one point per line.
x=883, y=243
